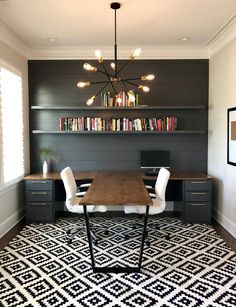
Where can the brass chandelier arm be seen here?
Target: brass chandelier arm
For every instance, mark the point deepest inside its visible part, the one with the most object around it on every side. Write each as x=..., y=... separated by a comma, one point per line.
x=106, y=73
x=131, y=79
x=131, y=83
x=99, y=82
x=123, y=66
x=115, y=81
x=141, y=87
x=108, y=76
x=102, y=88
x=123, y=82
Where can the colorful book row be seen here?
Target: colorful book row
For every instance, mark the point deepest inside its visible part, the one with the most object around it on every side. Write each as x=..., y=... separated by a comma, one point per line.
x=167, y=123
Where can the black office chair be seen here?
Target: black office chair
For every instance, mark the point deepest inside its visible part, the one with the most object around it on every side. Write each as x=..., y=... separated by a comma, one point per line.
x=159, y=203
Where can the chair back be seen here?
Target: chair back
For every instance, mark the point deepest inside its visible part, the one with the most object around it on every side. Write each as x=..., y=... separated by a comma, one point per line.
x=69, y=182
x=160, y=186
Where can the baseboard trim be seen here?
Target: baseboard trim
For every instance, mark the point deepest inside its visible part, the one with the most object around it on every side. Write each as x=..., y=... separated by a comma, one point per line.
x=11, y=221
x=225, y=222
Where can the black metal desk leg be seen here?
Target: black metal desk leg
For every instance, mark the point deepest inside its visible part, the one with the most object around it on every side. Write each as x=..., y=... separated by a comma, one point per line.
x=86, y=216
x=143, y=237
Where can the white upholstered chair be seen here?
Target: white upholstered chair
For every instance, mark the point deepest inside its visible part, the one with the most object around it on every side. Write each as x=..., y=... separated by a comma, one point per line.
x=73, y=198
x=157, y=194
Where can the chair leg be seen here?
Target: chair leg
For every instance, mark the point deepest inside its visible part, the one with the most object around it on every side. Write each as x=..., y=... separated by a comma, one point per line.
x=73, y=231
x=96, y=226
x=156, y=227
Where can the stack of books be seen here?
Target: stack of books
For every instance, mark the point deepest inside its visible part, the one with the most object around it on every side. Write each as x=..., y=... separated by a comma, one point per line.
x=123, y=99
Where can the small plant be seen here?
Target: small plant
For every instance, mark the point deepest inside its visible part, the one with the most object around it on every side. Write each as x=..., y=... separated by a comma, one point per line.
x=47, y=154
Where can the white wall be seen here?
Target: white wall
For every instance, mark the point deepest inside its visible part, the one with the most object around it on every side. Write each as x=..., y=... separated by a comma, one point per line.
x=222, y=95
x=12, y=199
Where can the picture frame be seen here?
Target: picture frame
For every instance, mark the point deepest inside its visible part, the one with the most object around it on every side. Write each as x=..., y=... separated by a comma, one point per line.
x=231, y=136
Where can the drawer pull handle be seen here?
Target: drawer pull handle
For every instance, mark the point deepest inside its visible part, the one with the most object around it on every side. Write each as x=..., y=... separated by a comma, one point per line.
x=198, y=204
x=198, y=193
x=39, y=204
x=198, y=182
x=39, y=193
x=39, y=182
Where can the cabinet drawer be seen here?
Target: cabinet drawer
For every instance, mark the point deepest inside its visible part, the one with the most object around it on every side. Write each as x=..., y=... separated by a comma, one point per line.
x=199, y=212
x=197, y=195
x=38, y=196
x=197, y=185
x=39, y=212
x=38, y=185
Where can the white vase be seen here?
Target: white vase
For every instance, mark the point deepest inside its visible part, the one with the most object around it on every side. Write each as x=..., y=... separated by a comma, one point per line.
x=45, y=167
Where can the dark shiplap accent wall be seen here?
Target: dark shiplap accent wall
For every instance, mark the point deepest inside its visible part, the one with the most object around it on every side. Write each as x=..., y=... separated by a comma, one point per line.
x=178, y=82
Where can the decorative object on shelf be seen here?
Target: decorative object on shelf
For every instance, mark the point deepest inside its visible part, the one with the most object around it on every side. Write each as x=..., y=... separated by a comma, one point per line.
x=45, y=167
x=114, y=78
x=231, y=136
x=48, y=155
x=123, y=99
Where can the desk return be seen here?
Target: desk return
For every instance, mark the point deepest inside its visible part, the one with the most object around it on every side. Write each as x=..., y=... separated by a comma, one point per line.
x=191, y=193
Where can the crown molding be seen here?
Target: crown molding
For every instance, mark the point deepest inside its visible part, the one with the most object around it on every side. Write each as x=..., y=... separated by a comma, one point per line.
x=11, y=39
x=222, y=37
x=148, y=52
x=219, y=40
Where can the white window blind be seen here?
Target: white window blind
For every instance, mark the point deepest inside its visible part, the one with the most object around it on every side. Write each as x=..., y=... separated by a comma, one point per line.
x=11, y=125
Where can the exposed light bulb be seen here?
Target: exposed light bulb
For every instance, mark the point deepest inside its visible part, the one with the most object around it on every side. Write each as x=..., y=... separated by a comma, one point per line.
x=83, y=84
x=91, y=100
x=89, y=67
x=148, y=77
x=144, y=88
x=135, y=53
x=113, y=65
x=98, y=55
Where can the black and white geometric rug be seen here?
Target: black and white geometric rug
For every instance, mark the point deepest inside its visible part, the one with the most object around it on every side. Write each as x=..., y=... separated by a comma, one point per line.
x=195, y=268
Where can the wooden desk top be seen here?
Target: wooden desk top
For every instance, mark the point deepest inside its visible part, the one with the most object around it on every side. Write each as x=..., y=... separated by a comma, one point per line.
x=174, y=175
x=117, y=188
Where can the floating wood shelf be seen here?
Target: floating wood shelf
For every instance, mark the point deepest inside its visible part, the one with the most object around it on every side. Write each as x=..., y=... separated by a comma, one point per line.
x=120, y=132
x=144, y=107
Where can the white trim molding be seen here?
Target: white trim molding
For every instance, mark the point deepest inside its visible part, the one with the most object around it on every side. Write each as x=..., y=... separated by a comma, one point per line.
x=224, y=221
x=224, y=36
x=11, y=221
x=221, y=38
x=11, y=39
x=148, y=52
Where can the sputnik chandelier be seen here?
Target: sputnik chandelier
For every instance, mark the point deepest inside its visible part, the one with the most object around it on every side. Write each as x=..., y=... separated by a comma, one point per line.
x=114, y=78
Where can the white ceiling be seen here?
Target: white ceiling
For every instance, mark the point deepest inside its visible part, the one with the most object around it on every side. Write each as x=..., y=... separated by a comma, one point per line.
x=80, y=26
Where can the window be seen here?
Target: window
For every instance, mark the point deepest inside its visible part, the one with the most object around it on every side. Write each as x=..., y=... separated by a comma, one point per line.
x=11, y=107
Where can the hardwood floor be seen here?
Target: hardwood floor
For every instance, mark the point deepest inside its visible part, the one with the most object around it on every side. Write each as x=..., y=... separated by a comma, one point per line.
x=224, y=234
x=12, y=233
